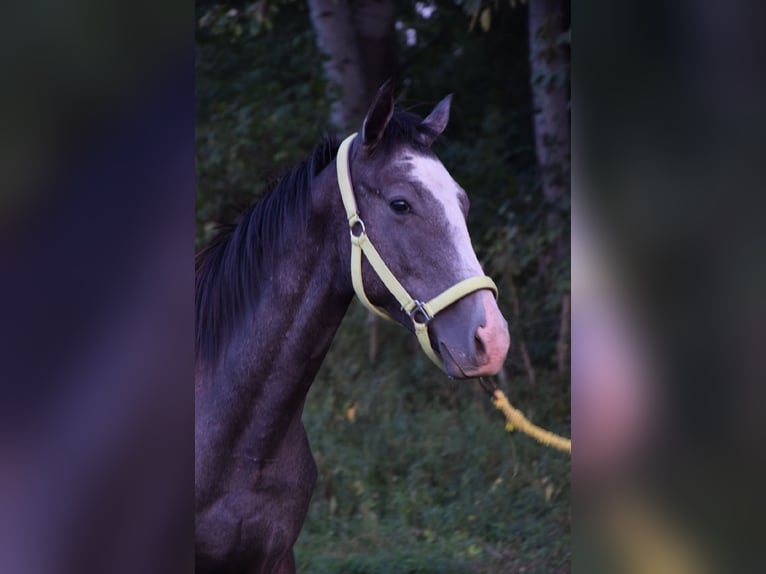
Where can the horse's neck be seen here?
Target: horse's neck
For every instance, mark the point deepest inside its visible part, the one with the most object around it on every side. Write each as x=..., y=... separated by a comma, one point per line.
x=305, y=297
x=263, y=378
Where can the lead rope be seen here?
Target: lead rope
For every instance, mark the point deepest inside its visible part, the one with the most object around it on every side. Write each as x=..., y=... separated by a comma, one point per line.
x=515, y=419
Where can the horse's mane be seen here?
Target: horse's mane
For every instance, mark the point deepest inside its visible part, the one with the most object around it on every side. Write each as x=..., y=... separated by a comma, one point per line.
x=228, y=269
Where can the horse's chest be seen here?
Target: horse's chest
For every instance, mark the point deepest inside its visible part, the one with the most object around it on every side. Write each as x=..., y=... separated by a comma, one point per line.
x=260, y=507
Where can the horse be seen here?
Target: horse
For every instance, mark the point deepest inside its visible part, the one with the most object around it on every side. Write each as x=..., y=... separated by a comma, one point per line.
x=377, y=215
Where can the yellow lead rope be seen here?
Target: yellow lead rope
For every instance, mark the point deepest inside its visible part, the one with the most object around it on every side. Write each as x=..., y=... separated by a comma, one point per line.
x=516, y=420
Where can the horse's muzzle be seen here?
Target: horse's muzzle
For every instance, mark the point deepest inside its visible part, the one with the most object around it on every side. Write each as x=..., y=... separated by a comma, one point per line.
x=479, y=350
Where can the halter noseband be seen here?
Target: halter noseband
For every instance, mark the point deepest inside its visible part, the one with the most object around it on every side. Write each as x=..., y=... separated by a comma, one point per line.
x=420, y=313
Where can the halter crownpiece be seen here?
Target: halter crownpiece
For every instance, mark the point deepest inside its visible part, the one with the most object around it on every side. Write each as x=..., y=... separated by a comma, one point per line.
x=419, y=312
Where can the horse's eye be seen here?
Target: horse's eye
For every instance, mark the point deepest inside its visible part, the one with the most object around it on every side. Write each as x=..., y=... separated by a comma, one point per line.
x=400, y=206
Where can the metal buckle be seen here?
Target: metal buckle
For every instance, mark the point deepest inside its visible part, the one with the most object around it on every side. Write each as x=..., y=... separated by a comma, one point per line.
x=419, y=312
x=356, y=223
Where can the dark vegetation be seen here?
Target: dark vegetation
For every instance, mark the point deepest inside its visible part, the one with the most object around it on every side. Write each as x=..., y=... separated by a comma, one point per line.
x=416, y=472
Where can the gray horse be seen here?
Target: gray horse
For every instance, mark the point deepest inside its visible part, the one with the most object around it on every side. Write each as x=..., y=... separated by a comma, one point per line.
x=271, y=292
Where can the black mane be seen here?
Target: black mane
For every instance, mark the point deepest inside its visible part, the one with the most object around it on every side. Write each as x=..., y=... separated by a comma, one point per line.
x=228, y=269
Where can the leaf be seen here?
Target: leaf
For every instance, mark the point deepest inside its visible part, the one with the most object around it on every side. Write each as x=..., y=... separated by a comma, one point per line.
x=486, y=19
x=351, y=413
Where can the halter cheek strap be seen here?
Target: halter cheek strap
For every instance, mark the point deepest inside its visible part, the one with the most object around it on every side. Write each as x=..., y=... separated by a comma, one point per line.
x=420, y=313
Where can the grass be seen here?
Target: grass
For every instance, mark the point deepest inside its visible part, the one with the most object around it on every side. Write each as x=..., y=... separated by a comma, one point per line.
x=418, y=475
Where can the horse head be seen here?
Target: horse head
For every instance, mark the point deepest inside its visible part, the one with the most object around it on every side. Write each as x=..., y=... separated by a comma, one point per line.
x=409, y=236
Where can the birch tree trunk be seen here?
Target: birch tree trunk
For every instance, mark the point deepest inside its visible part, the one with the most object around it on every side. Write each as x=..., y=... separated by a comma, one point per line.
x=548, y=66
x=357, y=38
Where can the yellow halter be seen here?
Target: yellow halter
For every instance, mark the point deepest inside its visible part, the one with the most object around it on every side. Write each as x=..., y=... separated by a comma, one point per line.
x=420, y=313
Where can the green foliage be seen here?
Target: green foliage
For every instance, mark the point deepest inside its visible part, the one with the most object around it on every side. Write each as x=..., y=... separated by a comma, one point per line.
x=420, y=475
x=261, y=104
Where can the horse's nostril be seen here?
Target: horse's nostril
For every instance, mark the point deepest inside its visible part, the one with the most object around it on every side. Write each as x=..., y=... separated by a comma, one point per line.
x=481, y=349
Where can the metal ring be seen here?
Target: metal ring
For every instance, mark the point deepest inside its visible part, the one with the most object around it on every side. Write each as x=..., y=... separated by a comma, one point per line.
x=419, y=310
x=357, y=223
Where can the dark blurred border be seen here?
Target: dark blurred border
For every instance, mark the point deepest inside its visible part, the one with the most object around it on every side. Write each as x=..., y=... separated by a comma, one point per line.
x=96, y=252
x=669, y=316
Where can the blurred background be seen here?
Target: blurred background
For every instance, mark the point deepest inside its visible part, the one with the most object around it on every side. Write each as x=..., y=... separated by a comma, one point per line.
x=416, y=472
x=668, y=284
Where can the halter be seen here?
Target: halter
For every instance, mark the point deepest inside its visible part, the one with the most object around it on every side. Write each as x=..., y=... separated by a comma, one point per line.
x=420, y=313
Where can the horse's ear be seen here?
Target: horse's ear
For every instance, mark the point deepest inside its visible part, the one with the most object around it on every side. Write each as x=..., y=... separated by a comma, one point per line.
x=378, y=115
x=435, y=122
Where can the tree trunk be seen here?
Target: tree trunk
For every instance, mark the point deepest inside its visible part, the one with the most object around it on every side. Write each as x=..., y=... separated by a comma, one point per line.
x=358, y=40
x=374, y=21
x=548, y=66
